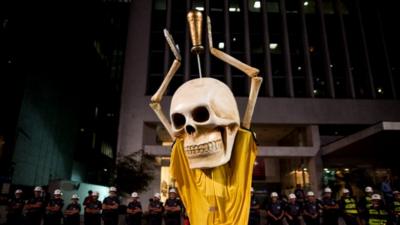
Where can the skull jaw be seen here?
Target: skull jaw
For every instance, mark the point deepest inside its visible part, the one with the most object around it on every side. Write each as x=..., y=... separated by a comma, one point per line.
x=212, y=149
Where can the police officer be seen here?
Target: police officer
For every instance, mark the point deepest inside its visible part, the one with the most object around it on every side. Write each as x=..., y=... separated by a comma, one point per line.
x=87, y=201
x=173, y=209
x=348, y=208
x=15, y=209
x=311, y=210
x=330, y=208
x=293, y=211
x=54, y=209
x=134, y=211
x=365, y=203
x=110, y=207
x=299, y=192
x=34, y=208
x=93, y=210
x=377, y=214
x=156, y=210
x=275, y=210
x=254, y=218
x=72, y=212
x=395, y=208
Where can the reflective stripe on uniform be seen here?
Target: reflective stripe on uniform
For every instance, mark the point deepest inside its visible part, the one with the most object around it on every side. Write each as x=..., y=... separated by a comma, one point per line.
x=376, y=222
x=377, y=216
x=396, y=206
x=350, y=206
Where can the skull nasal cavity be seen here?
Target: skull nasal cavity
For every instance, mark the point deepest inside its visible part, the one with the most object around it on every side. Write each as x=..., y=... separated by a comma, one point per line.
x=190, y=129
x=200, y=114
x=178, y=120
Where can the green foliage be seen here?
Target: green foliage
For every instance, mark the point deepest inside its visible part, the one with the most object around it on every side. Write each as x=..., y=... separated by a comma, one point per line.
x=134, y=172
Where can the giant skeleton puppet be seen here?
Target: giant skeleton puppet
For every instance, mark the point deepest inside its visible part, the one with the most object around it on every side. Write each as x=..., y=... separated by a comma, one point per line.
x=212, y=158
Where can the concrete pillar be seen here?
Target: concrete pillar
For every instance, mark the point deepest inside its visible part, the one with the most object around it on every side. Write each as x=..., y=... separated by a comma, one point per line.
x=135, y=76
x=315, y=168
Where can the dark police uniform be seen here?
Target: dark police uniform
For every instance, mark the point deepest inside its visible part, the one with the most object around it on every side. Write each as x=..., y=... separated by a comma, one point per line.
x=311, y=208
x=110, y=216
x=34, y=215
x=377, y=215
x=134, y=219
x=363, y=205
x=275, y=209
x=349, y=211
x=173, y=218
x=93, y=218
x=54, y=217
x=395, y=210
x=300, y=196
x=254, y=218
x=15, y=209
x=294, y=210
x=75, y=218
x=155, y=218
x=330, y=216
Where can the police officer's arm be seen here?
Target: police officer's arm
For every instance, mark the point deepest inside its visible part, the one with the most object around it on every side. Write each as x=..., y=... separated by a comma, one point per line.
x=134, y=210
x=281, y=215
x=73, y=211
x=172, y=208
x=113, y=205
x=129, y=210
x=287, y=213
x=305, y=212
x=256, y=206
x=27, y=206
x=37, y=205
x=94, y=210
x=52, y=208
x=70, y=212
x=269, y=213
x=155, y=209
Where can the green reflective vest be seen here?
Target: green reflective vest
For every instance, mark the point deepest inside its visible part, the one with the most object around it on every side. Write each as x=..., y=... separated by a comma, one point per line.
x=350, y=206
x=396, y=207
x=377, y=216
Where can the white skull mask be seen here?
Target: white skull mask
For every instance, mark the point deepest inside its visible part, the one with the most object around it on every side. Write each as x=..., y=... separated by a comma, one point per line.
x=205, y=114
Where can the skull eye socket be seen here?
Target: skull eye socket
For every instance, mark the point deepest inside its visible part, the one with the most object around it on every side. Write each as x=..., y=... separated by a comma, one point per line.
x=178, y=120
x=200, y=114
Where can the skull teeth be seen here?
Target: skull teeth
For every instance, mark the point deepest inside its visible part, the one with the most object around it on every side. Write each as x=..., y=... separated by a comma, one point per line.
x=204, y=149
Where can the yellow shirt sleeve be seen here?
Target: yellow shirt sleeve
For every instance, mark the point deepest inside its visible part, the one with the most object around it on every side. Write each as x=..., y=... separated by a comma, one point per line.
x=221, y=195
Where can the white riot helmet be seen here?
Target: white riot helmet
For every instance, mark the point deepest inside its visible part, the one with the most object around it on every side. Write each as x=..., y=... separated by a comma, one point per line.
x=376, y=197
x=346, y=191
x=38, y=189
x=112, y=189
x=292, y=196
x=172, y=190
x=369, y=189
x=18, y=191
x=274, y=194
x=134, y=195
x=57, y=192
x=310, y=193
x=157, y=195
x=75, y=196
x=327, y=190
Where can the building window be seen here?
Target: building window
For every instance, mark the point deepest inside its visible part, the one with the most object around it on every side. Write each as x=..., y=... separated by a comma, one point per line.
x=338, y=51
